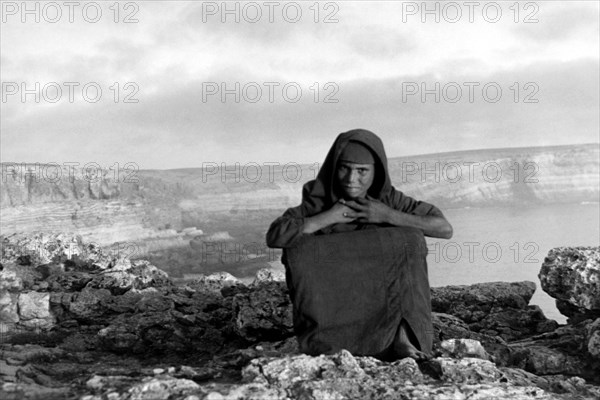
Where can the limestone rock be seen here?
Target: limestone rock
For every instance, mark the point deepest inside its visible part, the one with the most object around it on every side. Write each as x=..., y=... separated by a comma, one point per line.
x=127, y=275
x=460, y=348
x=119, y=338
x=569, y=350
x=343, y=376
x=34, y=310
x=264, y=312
x=547, y=361
x=88, y=306
x=215, y=283
x=593, y=338
x=474, y=302
x=494, y=308
x=513, y=324
x=446, y=326
x=72, y=281
x=41, y=248
x=268, y=275
x=16, y=278
x=162, y=388
x=340, y=375
x=481, y=332
x=8, y=307
x=464, y=370
x=572, y=276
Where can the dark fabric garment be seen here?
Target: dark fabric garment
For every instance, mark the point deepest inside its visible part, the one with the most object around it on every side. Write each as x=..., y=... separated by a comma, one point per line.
x=351, y=290
x=357, y=153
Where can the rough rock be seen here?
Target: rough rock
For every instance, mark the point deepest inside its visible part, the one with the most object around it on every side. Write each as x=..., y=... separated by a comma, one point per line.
x=572, y=276
x=89, y=305
x=446, y=326
x=474, y=302
x=268, y=275
x=9, y=313
x=513, y=324
x=215, y=283
x=460, y=348
x=464, y=370
x=34, y=310
x=332, y=376
x=162, y=388
x=493, y=308
x=127, y=275
x=43, y=248
x=593, y=338
x=124, y=330
x=14, y=277
x=563, y=351
x=342, y=376
x=543, y=360
x=263, y=312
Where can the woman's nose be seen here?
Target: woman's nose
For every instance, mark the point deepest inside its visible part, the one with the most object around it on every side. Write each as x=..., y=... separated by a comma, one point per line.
x=353, y=176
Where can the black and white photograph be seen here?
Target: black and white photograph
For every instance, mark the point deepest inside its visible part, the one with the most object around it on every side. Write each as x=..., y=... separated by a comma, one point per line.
x=251, y=200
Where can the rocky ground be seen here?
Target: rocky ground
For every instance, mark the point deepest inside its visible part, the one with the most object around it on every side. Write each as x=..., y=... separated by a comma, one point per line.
x=77, y=323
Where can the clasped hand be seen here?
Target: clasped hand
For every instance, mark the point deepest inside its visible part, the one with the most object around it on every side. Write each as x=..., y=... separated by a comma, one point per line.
x=362, y=210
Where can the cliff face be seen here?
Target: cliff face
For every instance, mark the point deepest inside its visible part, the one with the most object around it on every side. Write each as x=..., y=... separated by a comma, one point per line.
x=101, y=206
x=111, y=205
x=506, y=177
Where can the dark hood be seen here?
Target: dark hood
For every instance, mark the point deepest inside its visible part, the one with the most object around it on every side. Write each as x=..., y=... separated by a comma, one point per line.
x=320, y=194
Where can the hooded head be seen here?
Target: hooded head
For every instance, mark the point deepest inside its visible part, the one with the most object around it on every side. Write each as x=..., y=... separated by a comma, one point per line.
x=357, y=146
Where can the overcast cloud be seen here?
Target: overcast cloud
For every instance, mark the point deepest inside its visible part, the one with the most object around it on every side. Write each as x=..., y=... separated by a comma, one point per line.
x=366, y=63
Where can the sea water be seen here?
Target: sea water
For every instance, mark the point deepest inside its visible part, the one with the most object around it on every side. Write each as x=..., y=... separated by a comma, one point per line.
x=489, y=244
x=510, y=244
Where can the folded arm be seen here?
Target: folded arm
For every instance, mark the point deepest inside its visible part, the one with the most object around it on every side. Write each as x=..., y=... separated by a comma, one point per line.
x=433, y=224
x=288, y=228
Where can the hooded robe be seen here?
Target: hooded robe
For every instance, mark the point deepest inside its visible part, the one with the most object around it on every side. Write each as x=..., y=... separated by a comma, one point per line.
x=352, y=284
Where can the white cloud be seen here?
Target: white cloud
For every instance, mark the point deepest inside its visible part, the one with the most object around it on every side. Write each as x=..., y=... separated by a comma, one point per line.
x=367, y=54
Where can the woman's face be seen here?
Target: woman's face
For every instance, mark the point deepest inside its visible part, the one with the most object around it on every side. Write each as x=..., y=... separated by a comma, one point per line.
x=354, y=179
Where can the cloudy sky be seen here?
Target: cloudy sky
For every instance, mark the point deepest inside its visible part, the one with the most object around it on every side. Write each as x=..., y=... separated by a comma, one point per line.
x=173, y=84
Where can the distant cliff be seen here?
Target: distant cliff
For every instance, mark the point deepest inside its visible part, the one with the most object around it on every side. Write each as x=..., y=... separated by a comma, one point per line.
x=109, y=205
x=502, y=177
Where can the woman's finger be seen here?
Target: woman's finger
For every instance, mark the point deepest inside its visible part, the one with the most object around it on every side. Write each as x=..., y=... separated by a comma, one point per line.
x=353, y=214
x=354, y=205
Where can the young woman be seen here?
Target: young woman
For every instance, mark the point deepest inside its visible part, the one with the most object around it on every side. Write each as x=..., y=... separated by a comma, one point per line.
x=355, y=256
